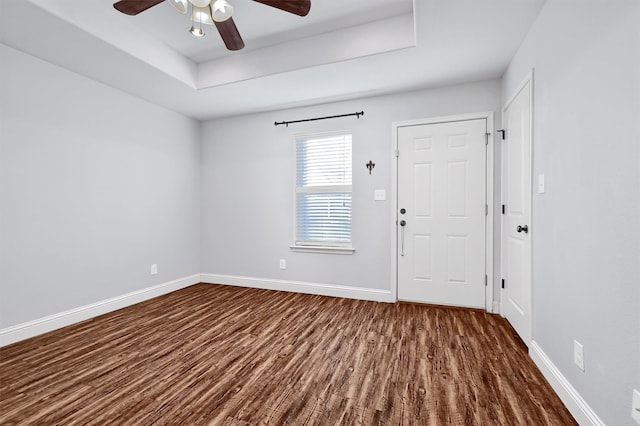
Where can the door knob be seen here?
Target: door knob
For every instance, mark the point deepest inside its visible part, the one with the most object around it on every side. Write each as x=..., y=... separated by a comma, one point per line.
x=523, y=228
x=403, y=211
x=403, y=222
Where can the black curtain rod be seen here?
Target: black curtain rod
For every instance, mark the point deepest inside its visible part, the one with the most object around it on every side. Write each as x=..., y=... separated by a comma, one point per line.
x=286, y=123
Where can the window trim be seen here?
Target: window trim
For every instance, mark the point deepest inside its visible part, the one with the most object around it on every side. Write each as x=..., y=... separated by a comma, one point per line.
x=345, y=248
x=322, y=249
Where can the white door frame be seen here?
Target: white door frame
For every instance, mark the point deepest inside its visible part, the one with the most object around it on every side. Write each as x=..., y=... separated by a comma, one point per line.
x=527, y=80
x=488, y=116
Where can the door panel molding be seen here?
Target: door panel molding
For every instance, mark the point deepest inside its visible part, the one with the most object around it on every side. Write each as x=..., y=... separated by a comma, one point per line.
x=489, y=194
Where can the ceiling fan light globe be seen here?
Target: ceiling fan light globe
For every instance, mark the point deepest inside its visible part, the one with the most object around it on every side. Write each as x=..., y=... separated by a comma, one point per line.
x=222, y=10
x=202, y=15
x=200, y=3
x=180, y=5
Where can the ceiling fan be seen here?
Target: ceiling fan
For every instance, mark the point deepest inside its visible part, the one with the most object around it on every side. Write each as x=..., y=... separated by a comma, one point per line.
x=213, y=12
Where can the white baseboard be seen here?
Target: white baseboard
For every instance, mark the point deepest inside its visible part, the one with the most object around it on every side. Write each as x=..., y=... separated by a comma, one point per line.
x=302, y=287
x=577, y=406
x=52, y=322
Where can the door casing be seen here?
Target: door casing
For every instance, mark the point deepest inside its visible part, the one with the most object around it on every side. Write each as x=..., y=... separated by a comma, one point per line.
x=489, y=192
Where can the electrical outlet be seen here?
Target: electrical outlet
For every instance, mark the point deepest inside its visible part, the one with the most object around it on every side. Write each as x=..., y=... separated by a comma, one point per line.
x=635, y=406
x=283, y=263
x=578, y=354
x=154, y=269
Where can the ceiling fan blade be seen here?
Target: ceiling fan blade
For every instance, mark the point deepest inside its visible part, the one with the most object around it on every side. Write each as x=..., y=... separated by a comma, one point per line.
x=230, y=35
x=297, y=7
x=133, y=7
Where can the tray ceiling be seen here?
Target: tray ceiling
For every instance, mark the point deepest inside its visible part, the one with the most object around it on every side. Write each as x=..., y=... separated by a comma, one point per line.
x=341, y=50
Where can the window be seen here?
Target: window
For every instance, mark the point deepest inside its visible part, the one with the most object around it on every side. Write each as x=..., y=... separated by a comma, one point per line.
x=323, y=192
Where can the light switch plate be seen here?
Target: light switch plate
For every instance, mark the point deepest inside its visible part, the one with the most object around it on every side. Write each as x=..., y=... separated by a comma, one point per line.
x=541, y=184
x=379, y=195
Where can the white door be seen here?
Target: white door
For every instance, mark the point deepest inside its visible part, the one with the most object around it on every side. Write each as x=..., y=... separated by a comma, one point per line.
x=516, y=221
x=441, y=213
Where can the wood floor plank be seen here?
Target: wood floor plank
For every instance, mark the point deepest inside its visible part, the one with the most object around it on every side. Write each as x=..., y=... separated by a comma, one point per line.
x=218, y=355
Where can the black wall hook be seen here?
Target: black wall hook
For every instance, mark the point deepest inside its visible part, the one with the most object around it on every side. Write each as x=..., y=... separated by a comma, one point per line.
x=370, y=165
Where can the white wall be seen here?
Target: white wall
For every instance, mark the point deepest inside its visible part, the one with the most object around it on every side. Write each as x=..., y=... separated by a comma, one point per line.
x=248, y=186
x=95, y=185
x=586, y=227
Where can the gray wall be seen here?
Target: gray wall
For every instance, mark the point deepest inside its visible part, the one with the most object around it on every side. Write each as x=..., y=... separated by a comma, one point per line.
x=248, y=186
x=95, y=185
x=586, y=227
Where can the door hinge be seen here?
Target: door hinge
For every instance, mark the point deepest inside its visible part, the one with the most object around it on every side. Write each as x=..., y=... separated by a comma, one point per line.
x=504, y=208
x=503, y=283
x=503, y=133
x=486, y=142
x=486, y=280
x=397, y=153
x=486, y=209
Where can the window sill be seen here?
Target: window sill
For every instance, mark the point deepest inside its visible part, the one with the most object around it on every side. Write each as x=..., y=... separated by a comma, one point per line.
x=323, y=249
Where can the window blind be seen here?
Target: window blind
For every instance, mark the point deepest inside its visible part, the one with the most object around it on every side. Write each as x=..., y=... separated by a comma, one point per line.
x=323, y=190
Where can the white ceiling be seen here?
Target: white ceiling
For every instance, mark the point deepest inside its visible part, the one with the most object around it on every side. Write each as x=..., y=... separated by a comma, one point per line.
x=341, y=50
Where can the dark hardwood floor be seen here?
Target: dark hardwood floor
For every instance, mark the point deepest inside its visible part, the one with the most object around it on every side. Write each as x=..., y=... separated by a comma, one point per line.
x=221, y=355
